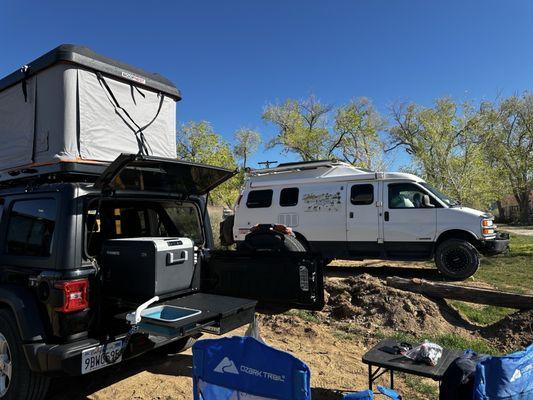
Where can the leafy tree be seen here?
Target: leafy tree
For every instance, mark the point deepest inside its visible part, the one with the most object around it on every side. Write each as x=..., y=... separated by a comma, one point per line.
x=197, y=142
x=247, y=142
x=507, y=139
x=357, y=126
x=302, y=128
x=442, y=142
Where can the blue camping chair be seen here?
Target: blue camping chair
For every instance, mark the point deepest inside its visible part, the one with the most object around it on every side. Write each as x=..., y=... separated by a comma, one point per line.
x=507, y=377
x=228, y=368
x=369, y=394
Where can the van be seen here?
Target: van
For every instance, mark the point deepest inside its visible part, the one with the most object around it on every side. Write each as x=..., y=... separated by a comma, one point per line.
x=340, y=211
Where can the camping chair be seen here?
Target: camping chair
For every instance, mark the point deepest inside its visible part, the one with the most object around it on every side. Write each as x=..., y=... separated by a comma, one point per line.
x=507, y=377
x=369, y=395
x=242, y=367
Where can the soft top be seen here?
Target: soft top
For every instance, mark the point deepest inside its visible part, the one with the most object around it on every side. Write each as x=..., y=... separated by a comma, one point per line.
x=85, y=57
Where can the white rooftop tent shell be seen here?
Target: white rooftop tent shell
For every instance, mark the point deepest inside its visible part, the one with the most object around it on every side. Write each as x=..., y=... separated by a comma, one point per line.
x=74, y=105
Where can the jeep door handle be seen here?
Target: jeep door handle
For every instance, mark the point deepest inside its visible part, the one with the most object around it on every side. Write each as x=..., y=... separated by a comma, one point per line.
x=351, y=214
x=386, y=215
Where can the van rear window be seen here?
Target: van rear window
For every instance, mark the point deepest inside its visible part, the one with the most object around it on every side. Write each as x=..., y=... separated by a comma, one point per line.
x=288, y=197
x=259, y=199
x=362, y=194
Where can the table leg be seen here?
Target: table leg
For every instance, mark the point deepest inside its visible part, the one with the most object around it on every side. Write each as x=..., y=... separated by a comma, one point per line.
x=369, y=376
x=391, y=379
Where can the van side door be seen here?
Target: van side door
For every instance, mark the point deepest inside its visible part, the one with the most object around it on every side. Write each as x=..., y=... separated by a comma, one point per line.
x=409, y=227
x=362, y=228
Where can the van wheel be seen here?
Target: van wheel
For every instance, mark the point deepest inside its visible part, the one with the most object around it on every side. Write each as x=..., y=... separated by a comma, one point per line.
x=17, y=381
x=457, y=259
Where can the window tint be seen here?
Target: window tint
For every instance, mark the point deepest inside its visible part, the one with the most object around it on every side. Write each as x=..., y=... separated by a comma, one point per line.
x=259, y=199
x=406, y=195
x=31, y=228
x=288, y=197
x=362, y=194
x=123, y=219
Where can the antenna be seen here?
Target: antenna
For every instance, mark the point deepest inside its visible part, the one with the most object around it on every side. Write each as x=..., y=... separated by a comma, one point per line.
x=267, y=163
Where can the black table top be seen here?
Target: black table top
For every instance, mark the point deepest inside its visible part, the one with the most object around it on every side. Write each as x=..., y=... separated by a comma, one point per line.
x=395, y=362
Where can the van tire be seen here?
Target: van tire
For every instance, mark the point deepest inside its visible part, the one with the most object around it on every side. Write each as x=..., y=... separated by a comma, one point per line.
x=226, y=231
x=24, y=384
x=272, y=241
x=457, y=259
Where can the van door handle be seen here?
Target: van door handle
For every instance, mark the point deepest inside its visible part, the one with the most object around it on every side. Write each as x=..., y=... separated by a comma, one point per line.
x=351, y=214
x=386, y=215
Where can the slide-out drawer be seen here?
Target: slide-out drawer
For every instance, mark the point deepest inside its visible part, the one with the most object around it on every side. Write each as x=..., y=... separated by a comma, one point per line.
x=196, y=313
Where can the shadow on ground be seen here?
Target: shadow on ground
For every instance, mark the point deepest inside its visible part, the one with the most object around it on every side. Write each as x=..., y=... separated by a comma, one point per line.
x=79, y=388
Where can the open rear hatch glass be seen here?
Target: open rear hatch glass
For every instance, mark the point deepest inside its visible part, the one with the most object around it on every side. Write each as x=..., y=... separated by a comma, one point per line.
x=157, y=174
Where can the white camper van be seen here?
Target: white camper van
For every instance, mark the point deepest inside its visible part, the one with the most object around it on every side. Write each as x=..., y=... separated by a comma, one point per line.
x=345, y=212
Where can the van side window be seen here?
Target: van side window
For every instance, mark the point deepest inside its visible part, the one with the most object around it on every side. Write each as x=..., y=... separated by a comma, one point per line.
x=259, y=199
x=362, y=195
x=288, y=197
x=406, y=195
x=31, y=228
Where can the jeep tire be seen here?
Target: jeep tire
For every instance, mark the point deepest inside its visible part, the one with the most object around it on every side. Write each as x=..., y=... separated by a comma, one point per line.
x=21, y=383
x=457, y=259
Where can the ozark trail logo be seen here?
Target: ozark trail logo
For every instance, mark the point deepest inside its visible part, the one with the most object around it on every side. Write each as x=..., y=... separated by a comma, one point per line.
x=517, y=375
x=226, y=366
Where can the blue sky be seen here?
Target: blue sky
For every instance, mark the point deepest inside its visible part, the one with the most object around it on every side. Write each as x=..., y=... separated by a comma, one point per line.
x=231, y=58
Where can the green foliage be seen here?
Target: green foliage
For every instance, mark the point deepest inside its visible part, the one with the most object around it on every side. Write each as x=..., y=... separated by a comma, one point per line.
x=301, y=128
x=198, y=142
x=246, y=143
x=422, y=387
x=507, y=141
x=512, y=271
x=308, y=316
x=442, y=141
x=357, y=127
x=479, y=314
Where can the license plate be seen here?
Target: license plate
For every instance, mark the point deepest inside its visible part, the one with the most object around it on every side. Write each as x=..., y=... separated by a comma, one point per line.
x=93, y=358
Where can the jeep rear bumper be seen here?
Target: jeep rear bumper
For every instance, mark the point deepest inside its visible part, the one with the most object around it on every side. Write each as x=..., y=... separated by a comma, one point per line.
x=498, y=245
x=220, y=314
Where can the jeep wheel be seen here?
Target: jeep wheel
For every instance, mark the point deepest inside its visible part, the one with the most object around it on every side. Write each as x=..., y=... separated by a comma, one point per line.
x=457, y=259
x=17, y=381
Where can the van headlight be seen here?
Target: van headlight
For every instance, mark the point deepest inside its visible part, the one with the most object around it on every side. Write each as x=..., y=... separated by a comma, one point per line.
x=487, y=227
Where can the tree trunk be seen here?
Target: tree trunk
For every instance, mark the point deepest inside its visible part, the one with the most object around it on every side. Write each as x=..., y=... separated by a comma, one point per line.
x=464, y=293
x=523, y=207
x=501, y=211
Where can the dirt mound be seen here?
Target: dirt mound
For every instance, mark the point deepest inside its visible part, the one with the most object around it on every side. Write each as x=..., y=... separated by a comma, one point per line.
x=369, y=302
x=511, y=333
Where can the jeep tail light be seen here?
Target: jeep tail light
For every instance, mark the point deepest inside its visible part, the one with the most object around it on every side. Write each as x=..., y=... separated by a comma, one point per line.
x=75, y=295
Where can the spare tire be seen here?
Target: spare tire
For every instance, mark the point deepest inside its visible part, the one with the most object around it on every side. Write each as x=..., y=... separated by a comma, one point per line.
x=266, y=238
x=226, y=231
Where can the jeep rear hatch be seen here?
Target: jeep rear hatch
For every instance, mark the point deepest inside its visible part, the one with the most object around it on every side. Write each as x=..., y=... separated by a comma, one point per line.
x=133, y=172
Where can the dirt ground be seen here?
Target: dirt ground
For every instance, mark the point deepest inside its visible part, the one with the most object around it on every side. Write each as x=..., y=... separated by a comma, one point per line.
x=360, y=311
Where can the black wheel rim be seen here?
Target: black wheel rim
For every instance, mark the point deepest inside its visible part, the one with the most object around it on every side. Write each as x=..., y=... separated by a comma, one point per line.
x=456, y=260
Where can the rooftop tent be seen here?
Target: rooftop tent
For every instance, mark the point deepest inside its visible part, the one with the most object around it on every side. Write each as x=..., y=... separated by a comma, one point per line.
x=72, y=104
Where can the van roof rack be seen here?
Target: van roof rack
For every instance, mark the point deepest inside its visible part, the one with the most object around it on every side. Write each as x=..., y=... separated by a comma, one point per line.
x=298, y=166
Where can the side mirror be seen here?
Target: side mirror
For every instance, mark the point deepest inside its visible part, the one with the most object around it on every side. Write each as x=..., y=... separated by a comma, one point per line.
x=427, y=202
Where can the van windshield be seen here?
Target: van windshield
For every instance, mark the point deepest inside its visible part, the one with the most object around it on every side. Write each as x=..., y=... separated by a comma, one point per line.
x=127, y=219
x=441, y=196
